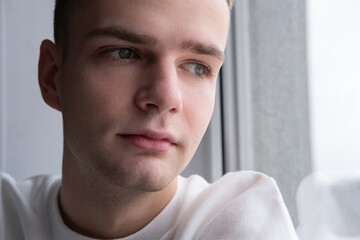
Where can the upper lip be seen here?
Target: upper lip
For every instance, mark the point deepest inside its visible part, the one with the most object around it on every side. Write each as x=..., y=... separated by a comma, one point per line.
x=156, y=135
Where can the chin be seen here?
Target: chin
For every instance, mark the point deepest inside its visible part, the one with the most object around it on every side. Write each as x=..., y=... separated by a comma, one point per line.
x=146, y=180
x=152, y=182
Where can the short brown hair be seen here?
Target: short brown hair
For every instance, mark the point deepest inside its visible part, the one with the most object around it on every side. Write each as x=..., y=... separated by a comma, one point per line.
x=230, y=3
x=62, y=12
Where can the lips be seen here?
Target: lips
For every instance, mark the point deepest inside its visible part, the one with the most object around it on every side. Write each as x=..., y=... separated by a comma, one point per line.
x=151, y=141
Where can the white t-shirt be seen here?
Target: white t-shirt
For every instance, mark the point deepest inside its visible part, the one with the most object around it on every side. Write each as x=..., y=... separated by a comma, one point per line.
x=243, y=205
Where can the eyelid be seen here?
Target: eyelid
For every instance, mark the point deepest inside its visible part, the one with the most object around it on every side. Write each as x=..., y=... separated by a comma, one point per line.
x=103, y=51
x=208, y=70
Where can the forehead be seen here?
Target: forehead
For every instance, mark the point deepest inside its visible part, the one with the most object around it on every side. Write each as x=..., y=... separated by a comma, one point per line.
x=169, y=21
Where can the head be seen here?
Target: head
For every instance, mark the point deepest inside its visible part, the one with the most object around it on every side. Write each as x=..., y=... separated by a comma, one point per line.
x=135, y=83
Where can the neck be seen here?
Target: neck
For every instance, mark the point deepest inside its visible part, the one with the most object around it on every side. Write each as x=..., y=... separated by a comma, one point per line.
x=95, y=208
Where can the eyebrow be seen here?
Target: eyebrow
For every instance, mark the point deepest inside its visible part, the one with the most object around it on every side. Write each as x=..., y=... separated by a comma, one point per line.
x=203, y=49
x=123, y=34
x=147, y=40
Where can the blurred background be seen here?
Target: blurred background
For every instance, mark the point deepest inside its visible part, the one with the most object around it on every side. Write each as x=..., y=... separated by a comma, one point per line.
x=288, y=101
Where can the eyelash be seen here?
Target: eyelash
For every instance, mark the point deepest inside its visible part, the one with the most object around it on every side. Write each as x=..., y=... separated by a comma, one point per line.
x=112, y=52
x=207, y=71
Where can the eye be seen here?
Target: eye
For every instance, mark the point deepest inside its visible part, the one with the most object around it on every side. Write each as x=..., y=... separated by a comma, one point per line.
x=196, y=68
x=122, y=53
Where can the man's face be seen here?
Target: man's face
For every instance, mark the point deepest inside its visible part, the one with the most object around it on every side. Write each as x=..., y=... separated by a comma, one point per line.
x=137, y=87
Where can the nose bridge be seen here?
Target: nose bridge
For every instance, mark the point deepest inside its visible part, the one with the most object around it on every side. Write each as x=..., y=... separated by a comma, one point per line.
x=161, y=89
x=163, y=73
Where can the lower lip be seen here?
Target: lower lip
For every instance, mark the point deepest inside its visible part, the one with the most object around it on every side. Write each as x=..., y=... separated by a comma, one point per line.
x=148, y=144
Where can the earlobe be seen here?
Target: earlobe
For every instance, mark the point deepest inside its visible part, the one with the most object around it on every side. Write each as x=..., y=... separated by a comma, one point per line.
x=48, y=71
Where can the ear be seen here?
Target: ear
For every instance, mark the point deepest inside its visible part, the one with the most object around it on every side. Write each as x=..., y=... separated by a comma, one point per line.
x=48, y=73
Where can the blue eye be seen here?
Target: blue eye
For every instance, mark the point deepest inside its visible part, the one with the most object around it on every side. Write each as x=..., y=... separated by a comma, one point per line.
x=123, y=53
x=199, y=69
x=196, y=68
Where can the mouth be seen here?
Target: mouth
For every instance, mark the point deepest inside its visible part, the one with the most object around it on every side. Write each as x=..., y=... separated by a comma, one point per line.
x=150, y=141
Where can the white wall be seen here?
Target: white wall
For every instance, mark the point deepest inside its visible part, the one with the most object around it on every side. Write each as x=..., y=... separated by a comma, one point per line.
x=334, y=71
x=31, y=133
x=2, y=85
x=279, y=90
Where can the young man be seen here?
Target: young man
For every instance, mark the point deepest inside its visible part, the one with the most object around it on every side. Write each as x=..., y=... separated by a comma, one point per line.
x=135, y=83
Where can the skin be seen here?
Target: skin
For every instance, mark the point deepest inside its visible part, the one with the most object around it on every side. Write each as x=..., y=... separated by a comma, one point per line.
x=133, y=117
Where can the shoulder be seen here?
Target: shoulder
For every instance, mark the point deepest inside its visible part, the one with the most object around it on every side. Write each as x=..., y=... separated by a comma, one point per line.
x=33, y=181
x=24, y=204
x=244, y=181
x=245, y=204
x=229, y=187
x=239, y=181
x=28, y=190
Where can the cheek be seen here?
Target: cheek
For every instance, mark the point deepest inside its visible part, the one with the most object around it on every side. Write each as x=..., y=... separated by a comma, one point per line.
x=198, y=109
x=93, y=99
x=100, y=88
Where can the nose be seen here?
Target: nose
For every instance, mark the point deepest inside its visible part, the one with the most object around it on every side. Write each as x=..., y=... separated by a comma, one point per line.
x=160, y=90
